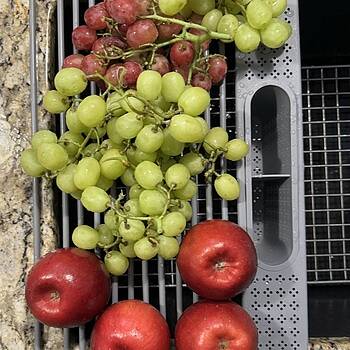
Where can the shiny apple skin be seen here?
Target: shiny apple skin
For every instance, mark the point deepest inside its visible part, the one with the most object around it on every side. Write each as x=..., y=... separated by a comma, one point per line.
x=67, y=288
x=217, y=259
x=131, y=325
x=215, y=325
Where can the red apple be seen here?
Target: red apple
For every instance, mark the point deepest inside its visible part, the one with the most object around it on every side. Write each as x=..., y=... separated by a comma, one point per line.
x=209, y=325
x=67, y=288
x=217, y=259
x=131, y=325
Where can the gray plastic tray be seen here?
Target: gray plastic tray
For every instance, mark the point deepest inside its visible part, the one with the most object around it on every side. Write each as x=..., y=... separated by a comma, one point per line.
x=271, y=207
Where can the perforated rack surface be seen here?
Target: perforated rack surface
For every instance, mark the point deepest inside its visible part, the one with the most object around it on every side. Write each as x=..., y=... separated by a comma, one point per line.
x=277, y=299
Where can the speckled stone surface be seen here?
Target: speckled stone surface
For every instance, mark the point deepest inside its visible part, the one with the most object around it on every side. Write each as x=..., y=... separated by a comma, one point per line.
x=16, y=238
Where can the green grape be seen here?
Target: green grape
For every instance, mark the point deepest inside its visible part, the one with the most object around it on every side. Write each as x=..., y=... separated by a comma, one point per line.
x=236, y=149
x=227, y=187
x=98, y=132
x=228, y=25
x=55, y=103
x=30, y=164
x=65, y=179
x=128, y=178
x=232, y=7
x=91, y=151
x=92, y=110
x=166, y=163
x=173, y=85
x=132, y=103
x=173, y=224
x=194, y=101
x=201, y=7
x=186, y=11
x=135, y=191
x=149, y=139
x=171, y=7
x=168, y=247
x=205, y=128
x=71, y=142
x=193, y=162
x=187, y=192
x=87, y=173
x=258, y=14
x=143, y=156
x=104, y=183
x=212, y=19
x=52, y=156
x=77, y=195
x=105, y=235
x=131, y=155
x=43, y=136
x=161, y=103
x=146, y=249
x=127, y=249
x=85, y=237
x=95, y=199
x=112, y=164
x=129, y=125
x=177, y=176
x=152, y=202
x=289, y=28
x=243, y=2
x=278, y=6
x=111, y=220
x=275, y=34
x=70, y=81
x=74, y=124
x=215, y=139
x=132, y=230
x=132, y=208
x=247, y=39
x=149, y=85
x=152, y=231
x=148, y=175
x=113, y=104
x=106, y=145
x=112, y=132
x=184, y=208
x=170, y=146
x=116, y=263
x=185, y=128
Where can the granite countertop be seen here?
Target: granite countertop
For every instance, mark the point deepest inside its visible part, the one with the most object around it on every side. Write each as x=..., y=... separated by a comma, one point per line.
x=16, y=239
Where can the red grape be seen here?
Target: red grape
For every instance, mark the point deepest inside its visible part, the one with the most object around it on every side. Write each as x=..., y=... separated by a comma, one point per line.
x=195, y=18
x=136, y=57
x=101, y=85
x=142, y=7
x=122, y=11
x=107, y=43
x=198, y=32
x=83, y=37
x=115, y=73
x=73, y=61
x=161, y=64
x=92, y=64
x=201, y=80
x=217, y=69
x=168, y=30
x=184, y=71
x=94, y=16
x=123, y=28
x=143, y=31
x=133, y=70
x=182, y=53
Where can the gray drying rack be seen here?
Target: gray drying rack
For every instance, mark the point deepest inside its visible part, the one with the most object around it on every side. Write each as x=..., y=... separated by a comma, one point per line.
x=271, y=206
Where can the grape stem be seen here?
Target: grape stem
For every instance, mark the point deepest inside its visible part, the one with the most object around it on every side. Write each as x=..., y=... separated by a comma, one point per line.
x=187, y=25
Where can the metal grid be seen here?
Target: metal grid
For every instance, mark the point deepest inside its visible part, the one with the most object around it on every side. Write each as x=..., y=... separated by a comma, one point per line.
x=157, y=281
x=326, y=111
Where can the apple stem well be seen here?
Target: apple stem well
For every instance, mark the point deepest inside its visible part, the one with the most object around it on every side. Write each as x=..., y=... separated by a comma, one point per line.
x=54, y=295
